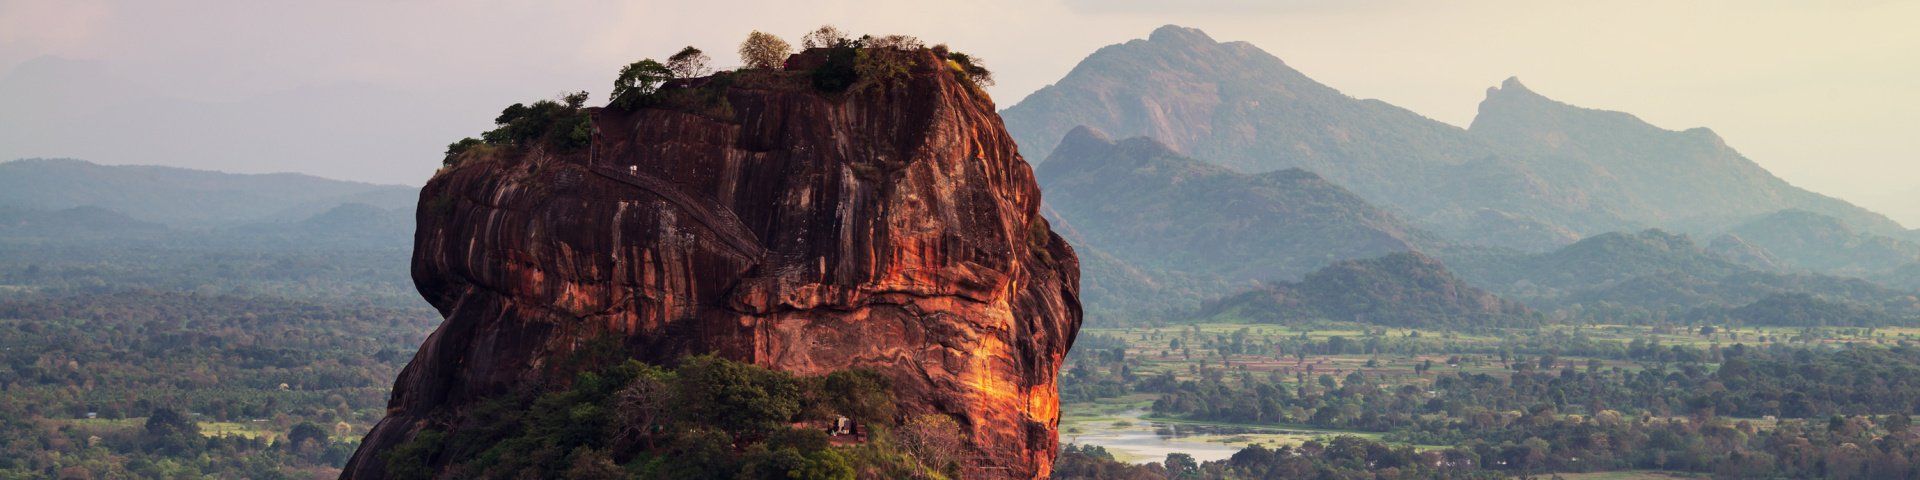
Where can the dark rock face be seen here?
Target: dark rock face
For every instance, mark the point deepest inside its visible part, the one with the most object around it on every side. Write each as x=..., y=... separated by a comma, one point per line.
x=896, y=229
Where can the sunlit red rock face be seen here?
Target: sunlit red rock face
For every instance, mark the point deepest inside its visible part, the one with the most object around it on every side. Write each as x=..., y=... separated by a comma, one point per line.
x=895, y=229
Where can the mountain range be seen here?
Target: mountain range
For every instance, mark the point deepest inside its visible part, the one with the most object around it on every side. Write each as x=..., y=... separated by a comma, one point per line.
x=1235, y=173
x=187, y=198
x=64, y=107
x=1527, y=167
x=1191, y=227
x=1800, y=240
x=1654, y=275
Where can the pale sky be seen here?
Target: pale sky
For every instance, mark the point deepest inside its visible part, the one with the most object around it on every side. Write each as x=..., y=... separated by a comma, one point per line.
x=1822, y=93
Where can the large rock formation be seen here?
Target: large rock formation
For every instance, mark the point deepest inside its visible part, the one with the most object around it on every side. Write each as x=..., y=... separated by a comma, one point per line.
x=896, y=229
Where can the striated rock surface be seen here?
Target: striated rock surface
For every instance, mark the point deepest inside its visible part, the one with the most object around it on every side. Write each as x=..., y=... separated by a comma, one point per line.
x=896, y=229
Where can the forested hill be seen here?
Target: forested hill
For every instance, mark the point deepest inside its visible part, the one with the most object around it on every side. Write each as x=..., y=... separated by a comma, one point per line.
x=1807, y=241
x=1655, y=276
x=1198, y=229
x=181, y=197
x=1402, y=289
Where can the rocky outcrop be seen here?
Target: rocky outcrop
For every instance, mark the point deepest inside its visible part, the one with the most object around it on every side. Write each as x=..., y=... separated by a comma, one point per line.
x=890, y=228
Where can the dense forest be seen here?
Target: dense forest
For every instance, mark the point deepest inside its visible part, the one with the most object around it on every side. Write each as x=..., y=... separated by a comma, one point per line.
x=703, y=417
x=254, y=351
x=1735, y=412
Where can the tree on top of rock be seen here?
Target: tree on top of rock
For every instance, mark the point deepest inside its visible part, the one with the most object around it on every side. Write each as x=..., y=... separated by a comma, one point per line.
x=827, y=36
x=764, y=51
x=689, y=63
x=639, y=80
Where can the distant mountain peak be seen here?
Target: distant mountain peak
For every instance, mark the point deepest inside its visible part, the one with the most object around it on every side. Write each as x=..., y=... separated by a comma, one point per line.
x=1146, y=146
x=1083, y=138
x=1088, y=148
x=1513, y=83
x=1511, y=88
x=1171, y=33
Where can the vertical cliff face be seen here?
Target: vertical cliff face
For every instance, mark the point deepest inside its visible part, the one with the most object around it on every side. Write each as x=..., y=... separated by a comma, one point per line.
x=895, y=229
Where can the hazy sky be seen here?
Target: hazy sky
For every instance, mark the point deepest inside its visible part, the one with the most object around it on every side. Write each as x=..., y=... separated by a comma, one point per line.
x=1822, y=93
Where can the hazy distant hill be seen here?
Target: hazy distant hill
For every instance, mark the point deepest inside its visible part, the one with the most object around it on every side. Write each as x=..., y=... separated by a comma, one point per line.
x=1174, y=224
x=1531, y=173
x=346, y=224
x=186, y=198
x=76, y=221
x=59, y=107
x=1642, y=173
x=1660, y=276
x=1906, y=277
x=1402, y=289
x=1808, y=241
x=1237, y=106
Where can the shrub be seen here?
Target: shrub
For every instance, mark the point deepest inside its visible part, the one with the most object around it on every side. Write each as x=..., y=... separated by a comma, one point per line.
x=564, y=126
x=838, y=72
x=413, y=460
x=881, y=66
x=459, y=149
x=970, y=68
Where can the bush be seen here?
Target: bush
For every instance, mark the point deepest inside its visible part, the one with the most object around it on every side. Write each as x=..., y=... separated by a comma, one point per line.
x=970, y=69
x=838, y=72
x=413, y=460
x=457, y=150
x=886, y=59
x=563, y=126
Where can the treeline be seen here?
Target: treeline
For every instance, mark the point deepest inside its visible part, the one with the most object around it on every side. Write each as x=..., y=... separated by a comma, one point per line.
x=1343, y=457
x=122, y=354
x=197, y=263
x=1541, y=441
x=1100, y=367
x=1749, y=382
x=167, y=444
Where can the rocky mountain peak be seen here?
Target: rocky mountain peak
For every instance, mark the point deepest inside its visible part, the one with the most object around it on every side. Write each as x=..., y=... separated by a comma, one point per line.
x=1175, y=34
